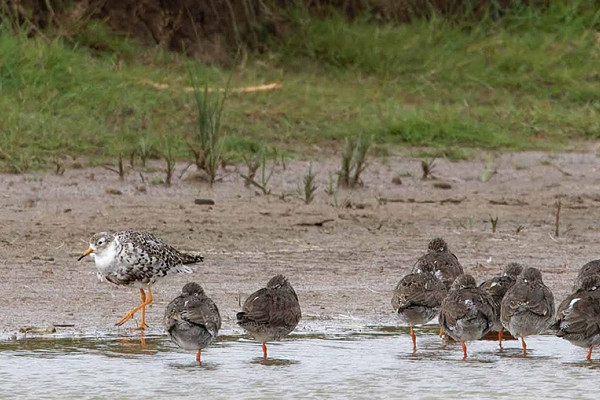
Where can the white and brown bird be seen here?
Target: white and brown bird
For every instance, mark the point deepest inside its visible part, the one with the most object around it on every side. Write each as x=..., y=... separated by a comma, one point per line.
x=439, y=261
x=467, y=312
x=497, y=287
x=192, y=319
x=129, y=258
x=271, y=313
x=527, y=307
x=578, y=316
x=417, y=299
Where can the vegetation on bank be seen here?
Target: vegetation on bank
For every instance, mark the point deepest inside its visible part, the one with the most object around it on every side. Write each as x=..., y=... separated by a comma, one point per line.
x=527, y=80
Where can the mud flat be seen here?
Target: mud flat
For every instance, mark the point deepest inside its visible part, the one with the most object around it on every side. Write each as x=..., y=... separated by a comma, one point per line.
x=343, y=253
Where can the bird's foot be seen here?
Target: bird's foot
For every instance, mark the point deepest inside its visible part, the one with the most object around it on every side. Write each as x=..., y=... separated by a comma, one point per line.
x=126, y=317
x=141, y=327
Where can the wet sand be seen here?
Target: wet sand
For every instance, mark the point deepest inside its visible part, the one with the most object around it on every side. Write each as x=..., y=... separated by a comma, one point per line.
x=343, y=253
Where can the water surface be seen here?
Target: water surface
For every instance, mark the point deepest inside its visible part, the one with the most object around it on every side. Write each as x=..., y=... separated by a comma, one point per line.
x=374, y=363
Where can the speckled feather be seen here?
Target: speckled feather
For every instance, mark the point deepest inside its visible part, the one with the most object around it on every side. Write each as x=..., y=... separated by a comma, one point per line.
x=192, y=319
x=440, y=262
x=271, y=312
x=467, y=312
x=143, y=257
x=578, y=315
x=589, y=269
x=417, y=298
x=497, y=287
x=579, y=319
x=528, y=306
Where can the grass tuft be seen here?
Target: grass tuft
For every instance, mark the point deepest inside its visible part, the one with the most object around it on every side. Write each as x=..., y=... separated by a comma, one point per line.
x=206, y=143
x=310, y=186
x=354, y=161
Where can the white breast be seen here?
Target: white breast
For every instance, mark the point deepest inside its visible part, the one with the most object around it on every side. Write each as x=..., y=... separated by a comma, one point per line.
x=105, y=260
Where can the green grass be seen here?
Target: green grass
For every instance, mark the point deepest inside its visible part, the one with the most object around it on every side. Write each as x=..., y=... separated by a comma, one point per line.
x=527, y=81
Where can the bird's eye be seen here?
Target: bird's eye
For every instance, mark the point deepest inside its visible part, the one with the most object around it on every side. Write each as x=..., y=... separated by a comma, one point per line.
x=100, y=242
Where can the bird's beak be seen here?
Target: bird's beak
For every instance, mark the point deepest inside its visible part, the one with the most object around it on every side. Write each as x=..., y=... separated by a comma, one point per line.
x=87, y=252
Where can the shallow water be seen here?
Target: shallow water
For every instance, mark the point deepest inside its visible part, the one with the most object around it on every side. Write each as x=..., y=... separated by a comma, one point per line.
x=374, y=363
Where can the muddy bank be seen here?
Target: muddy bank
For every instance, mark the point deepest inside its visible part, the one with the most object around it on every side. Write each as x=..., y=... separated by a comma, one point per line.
x=343, y=260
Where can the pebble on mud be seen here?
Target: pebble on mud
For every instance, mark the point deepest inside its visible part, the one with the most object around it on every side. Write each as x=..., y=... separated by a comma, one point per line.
x=204, y=202
x=113, y=191
x=442, y=185
x=42, y=258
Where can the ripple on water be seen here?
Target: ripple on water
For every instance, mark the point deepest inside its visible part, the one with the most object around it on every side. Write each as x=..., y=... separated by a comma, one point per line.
x=375, y=363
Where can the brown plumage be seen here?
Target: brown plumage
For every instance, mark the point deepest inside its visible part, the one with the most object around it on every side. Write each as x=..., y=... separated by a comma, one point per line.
x=497, y=287
x=192, y=319
x=578, y=316
x=528, y=306
x=589, y=269
x=440, y=262
x=467, y=312
x=271, y=312
x=417, y=299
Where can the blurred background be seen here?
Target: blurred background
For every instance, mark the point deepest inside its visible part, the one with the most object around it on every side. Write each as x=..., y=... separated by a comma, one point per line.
x=117, y=81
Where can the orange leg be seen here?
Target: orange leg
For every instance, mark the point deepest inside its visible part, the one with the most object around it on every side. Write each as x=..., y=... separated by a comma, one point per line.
x=414, y=339
x=142, y=306
x=589, y=355
x=524, y=346
x=264, y=347
x=143, y=324
x=464, y=347
x=199, y=355
x=500, y=339
x=441, y=331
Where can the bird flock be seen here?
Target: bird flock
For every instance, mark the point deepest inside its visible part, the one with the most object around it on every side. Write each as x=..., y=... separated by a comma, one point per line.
x=517, y=301
x=192, y=319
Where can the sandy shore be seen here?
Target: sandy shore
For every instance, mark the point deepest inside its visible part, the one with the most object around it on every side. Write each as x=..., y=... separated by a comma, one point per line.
x=343, y=261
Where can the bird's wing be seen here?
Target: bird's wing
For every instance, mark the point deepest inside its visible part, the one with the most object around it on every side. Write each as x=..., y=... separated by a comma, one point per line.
x=202, y=311
x=258, y=305
x=515, y=299
x=485, y=304
x=173, y=312
x=453, y=308
x=496, y=287
x=272, y=306
x=540, y=301
x=419, y=290
x=449, y=264
x=425, y=263
x=522, y=297
x=582, y=318
x=145, y=249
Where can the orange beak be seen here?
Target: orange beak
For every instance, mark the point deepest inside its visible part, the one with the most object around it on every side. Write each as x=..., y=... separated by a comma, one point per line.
x=87, y=252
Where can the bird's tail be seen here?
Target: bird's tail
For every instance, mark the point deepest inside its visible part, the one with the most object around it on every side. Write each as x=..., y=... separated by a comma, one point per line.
x=242, y=318
x=187, y=258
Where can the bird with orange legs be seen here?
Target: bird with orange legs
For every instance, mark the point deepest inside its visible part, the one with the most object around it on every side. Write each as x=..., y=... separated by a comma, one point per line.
x=497, y=287
x=417, y=299
x=578, y=316
x=192, y=319
x=527, y=307
x=467, y=312
x=136, y=258
x=271, y=313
